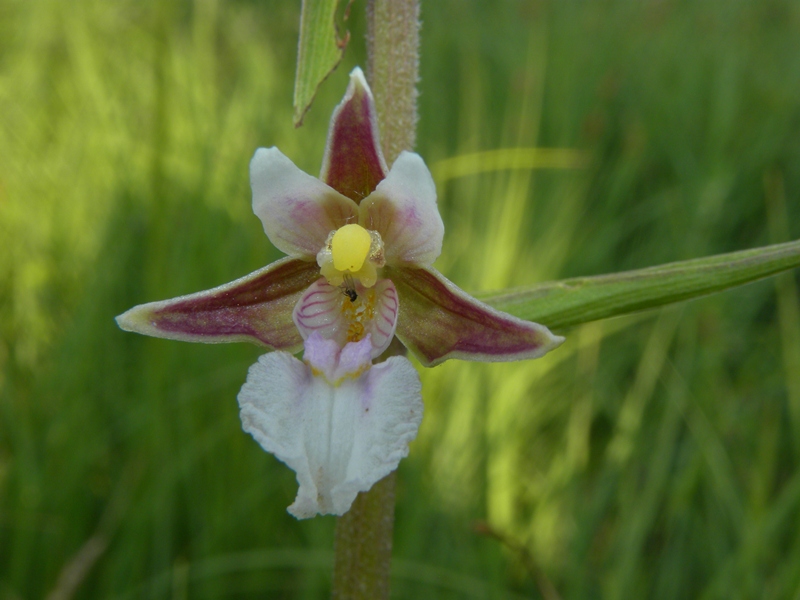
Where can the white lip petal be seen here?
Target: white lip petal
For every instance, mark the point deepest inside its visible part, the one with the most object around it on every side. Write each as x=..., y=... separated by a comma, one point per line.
x=326, y=309
x=403, y=210
x=298, y=211
x=339, y=440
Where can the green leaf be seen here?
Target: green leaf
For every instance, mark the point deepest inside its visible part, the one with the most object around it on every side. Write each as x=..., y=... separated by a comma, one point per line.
x=319, y=52
x=570, y=302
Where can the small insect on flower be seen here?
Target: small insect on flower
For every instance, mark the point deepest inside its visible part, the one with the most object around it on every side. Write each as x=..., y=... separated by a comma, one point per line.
x=349, y=288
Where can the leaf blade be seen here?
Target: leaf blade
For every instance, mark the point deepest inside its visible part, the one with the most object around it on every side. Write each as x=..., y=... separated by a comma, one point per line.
x=319, y=52
x=569, y=302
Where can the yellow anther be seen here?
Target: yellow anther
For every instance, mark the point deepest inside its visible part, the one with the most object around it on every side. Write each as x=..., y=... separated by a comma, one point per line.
x=350, y=247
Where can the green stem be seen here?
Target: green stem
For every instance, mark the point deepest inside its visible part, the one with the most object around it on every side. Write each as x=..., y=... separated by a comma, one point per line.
x=363, y=546
x=393, y=71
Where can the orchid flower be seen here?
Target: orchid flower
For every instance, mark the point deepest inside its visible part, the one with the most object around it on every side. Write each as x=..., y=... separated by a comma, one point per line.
x=361, y=241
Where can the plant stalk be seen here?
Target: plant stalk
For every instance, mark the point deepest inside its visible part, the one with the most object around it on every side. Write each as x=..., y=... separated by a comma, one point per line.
x=393, y=71
x=363, y=544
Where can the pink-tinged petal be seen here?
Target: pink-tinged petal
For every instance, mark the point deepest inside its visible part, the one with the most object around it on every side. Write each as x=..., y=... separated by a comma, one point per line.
x=403, y=210
x=330, y=360
x=353, y=163
x=439, y=321
x=354, y=359
x=256, y=308
x=340, y=439
x=328, y=310
x=322, y=355
x=297, y=210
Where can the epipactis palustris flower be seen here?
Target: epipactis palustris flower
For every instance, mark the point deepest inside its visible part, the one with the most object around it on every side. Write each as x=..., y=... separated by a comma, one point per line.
x=361, y=241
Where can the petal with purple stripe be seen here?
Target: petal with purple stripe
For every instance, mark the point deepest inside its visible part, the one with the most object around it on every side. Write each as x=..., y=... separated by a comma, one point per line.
x=256, y=308
x=439, y=321
x=353, y=163
x=326, y=309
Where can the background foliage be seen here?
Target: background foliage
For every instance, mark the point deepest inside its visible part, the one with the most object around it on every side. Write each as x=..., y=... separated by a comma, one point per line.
x=651, y=456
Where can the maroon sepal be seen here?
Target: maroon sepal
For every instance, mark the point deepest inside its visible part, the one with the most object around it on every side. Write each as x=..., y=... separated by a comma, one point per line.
x=256, y=308
x=353, y=164
x=438, y=321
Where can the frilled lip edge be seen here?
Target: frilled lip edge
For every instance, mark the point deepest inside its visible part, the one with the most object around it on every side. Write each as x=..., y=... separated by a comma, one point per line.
x=339, y=439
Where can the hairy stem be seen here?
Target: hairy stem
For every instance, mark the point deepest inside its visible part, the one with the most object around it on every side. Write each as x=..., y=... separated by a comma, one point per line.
x=393, y=71
x=363, y=545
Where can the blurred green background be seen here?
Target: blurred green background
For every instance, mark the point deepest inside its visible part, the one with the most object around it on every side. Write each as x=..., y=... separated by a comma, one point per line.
x=652, y=456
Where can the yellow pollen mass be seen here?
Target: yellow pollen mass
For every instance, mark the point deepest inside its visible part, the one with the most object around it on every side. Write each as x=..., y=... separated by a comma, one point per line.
x=350, y=247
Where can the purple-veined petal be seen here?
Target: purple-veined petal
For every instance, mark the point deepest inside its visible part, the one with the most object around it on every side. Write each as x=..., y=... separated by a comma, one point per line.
x=439, y=321
x=339, y=440
x=353, y=163
x=297, y=210
x=403, y=210
x=256, y=308
x=328, y=310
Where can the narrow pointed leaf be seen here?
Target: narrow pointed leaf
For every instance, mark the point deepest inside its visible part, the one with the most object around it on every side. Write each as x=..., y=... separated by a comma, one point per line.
x=319, y=52
x=570, y=302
